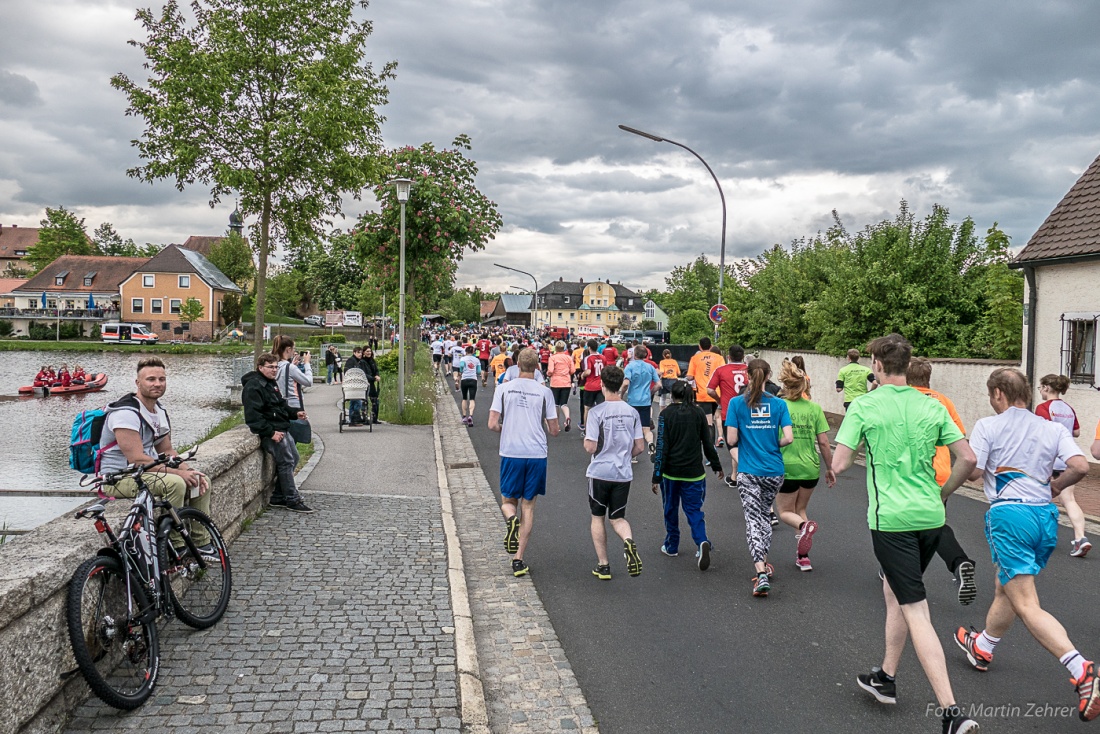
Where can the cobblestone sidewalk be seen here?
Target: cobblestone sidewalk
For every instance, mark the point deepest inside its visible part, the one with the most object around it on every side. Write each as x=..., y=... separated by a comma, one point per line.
x=529, y=684
x=339, y=621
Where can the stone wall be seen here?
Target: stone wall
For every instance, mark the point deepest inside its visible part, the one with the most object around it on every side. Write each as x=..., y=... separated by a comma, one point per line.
x=36, y=662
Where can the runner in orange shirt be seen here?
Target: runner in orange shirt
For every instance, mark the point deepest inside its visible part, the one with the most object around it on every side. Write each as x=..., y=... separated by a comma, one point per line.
x=1096, y=443
x=702, y=365
x=958, y=562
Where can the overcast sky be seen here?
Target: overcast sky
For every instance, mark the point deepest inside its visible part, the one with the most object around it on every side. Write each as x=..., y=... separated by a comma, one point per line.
x=987, y=107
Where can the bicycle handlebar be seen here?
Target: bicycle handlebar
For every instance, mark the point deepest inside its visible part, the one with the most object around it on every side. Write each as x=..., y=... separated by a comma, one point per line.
x=172, y=462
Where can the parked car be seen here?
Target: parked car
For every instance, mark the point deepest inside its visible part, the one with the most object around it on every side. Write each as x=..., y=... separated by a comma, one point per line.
x=315, y=320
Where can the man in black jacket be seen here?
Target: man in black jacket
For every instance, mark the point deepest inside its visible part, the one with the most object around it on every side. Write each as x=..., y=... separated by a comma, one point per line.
x=268, y=415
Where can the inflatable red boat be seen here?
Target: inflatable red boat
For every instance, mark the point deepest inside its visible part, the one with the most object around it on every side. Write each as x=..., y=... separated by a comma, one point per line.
x=94, y=383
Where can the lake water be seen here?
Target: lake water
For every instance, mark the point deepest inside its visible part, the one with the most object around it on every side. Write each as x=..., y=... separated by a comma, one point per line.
x=35, y=432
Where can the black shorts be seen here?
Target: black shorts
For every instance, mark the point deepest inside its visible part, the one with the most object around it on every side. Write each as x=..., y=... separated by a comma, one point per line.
x=591, y=398
x=710, y=408
x=644, y=413
x=469, y=389
x=437, y=357
x=790, y=486
x=561, y=395
x=608, y=498
x=903, y=557
x=484, y=366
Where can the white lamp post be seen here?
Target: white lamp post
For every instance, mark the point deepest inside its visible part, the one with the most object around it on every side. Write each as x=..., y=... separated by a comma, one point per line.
x=403, y=185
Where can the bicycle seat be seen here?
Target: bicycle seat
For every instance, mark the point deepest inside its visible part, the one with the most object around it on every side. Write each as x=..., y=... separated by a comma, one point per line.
x=96, y=509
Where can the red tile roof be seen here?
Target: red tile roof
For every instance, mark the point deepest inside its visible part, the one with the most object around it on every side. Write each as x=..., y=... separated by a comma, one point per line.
x=109, y=273
x=201, y=244
x=14, y=238
x=1073, y=228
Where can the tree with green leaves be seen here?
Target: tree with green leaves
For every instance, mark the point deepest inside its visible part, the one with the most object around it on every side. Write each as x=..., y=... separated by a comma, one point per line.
x=271, y=100
x=285, y=293
x=109, y=242
x=191, y=311
x=60, y=233
x=688, y=326
x=330, y=273
x=232, y=308
x=691, y=287
x=446, y=217
x=233, y=257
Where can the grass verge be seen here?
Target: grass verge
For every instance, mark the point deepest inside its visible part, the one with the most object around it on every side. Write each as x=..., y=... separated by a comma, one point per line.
x=419, y=394
x=305, y=451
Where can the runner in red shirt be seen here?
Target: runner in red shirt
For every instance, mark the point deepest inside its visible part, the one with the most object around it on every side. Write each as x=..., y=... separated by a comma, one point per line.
x=483, y=346
x=727, y=382
x=592, y=395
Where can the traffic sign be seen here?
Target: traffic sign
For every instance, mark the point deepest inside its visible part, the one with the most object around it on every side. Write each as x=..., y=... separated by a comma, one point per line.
x=718, y=312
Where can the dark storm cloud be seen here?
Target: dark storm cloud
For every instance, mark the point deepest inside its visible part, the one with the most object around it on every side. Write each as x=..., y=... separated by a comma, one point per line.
x=801, y=107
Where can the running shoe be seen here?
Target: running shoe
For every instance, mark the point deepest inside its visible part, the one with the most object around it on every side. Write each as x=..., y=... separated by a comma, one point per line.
x=769, y=569
x=511, y=535
x=956, y=722
x=803, y=563
x=519, y=568
x=703, y=554
x=652, y=449
x=1088, y=690
x=806, y=537
x=968, y=643
x=964, y=579
x=667, y=552
x=633, y=459
x=878, y=685
x=731, y=482
x=720, y=443
x=775, y=518
x=567, y=424
x=580, y=426
x=760, y=585
x=603, y=573
x=633, y=560
x=300, y=507
x=1080, y=548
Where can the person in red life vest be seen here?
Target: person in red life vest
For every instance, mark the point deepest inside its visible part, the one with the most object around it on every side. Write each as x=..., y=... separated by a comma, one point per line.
x=79, y=375
x=63, y=377
x=42, y=379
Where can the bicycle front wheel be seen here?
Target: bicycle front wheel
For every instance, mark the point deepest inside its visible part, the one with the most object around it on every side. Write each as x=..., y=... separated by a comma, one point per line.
x=114, y=638
x=199, y=595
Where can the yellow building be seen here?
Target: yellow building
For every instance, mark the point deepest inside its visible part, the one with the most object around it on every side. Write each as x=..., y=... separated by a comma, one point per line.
x=601, y=303
x=156, y=292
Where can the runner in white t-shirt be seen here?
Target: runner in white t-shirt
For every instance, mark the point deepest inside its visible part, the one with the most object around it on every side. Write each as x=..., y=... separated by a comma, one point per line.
x=458, y=351
x=613, y=435
x=469, y=368
x=437, y=354
x=519, y=409
x=1016, y=452
x=1053, y=408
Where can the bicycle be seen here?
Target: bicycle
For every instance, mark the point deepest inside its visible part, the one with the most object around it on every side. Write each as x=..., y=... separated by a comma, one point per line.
x=116, y=597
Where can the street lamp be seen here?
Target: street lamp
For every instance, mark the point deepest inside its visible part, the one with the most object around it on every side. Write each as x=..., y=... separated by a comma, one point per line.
x=722, y=196
x=534, y=296
x=403, y=185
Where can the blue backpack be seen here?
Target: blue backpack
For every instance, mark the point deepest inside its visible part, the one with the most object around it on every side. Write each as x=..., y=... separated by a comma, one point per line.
x=84, y=449
x=85, y=452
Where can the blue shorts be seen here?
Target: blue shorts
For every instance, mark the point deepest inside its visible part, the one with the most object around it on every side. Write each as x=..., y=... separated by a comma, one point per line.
x=1021, y=537
x=524, y=478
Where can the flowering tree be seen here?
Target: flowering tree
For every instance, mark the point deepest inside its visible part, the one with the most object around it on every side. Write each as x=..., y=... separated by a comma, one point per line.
x=446, y=215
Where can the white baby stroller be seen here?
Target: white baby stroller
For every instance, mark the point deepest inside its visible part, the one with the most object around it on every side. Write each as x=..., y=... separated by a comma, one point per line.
x=354, y=407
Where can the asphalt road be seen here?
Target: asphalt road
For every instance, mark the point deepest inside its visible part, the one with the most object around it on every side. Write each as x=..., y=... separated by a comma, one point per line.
x=676, y=649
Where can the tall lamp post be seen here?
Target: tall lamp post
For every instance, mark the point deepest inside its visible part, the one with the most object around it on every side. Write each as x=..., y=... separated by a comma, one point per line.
x=722, y=196
x=402, y=185
x=534, y=297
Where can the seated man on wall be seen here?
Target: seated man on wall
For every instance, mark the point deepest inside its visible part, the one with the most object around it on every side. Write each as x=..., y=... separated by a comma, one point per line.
x=135, y=431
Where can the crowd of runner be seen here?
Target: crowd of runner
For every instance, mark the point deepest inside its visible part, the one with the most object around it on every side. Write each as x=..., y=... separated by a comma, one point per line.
x=778, y=442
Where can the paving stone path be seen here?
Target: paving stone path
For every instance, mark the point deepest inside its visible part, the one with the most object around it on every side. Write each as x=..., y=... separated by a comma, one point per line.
x=529, y=684
x=339, y=621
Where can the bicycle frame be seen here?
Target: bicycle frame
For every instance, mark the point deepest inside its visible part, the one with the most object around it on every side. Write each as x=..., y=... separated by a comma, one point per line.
x=135, y=545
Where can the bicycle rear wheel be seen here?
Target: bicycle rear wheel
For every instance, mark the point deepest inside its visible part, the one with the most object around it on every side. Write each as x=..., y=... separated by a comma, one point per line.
x=118, y=653
x=199, y=595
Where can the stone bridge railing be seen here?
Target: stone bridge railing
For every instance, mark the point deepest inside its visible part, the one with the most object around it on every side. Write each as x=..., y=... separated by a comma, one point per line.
x=36, y=662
